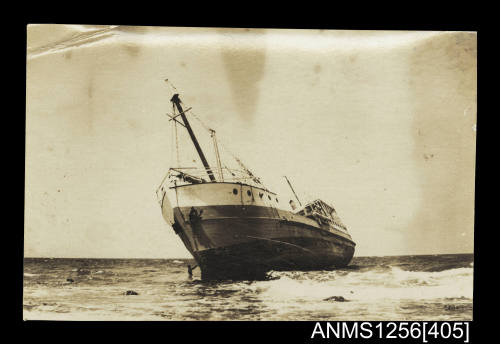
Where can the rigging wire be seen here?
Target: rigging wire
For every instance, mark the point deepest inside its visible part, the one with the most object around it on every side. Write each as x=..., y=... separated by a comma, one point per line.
x=171, y=144
x=169, y=83
x=201, y=122
x=177, y=144
x=176, y=136
x=209, y=130
x=254, y=178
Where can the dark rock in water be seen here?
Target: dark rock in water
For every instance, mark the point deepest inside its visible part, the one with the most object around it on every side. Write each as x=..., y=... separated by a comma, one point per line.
x=70, y=280
x=131, y=292
x=83, y=271
x=335, y=298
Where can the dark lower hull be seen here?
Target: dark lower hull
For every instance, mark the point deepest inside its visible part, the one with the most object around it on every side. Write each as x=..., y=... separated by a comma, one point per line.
x=247, y=248
x=253, y=259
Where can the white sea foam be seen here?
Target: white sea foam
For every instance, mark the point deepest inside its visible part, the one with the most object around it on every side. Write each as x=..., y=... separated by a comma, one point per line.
x=395, y=284
x=26, y=274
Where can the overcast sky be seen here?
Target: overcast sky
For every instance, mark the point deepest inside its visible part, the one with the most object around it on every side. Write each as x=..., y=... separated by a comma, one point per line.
x=379, y=124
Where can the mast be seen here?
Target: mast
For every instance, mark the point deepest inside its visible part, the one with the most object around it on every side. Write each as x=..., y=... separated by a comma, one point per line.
x=293, y=190
x=175, y=100
x=217, y=156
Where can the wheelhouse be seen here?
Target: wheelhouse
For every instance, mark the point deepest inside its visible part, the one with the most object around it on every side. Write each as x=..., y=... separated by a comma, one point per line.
x=323, y=214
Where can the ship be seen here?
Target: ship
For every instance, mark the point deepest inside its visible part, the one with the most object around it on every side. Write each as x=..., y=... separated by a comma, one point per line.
x=236, y=228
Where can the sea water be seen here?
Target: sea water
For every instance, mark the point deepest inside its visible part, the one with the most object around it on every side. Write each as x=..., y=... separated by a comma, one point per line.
x=431, y=287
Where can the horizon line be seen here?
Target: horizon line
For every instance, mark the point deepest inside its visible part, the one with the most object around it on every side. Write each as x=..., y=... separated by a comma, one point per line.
x=389, y=255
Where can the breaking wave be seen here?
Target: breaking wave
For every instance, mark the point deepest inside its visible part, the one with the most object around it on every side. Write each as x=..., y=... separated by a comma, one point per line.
x=395, y=283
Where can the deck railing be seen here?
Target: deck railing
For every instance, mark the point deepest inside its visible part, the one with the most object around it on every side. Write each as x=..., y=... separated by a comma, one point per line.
x=194, y=175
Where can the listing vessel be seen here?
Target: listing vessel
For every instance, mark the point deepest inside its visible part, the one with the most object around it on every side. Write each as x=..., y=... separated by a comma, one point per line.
x=236, y=228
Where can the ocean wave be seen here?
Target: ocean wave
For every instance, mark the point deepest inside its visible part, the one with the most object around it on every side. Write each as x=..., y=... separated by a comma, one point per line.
x=372, y=285
x=373, y=288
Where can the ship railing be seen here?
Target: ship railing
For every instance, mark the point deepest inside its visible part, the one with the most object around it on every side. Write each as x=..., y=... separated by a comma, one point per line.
x=195, y=175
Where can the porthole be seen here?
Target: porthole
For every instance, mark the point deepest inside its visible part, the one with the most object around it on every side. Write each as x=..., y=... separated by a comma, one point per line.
x=249, y=193
x=261, y=194
x=235, y=191
x=269, y=197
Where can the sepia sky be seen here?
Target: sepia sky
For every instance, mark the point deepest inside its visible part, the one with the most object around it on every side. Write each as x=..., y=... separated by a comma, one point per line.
x=379, y=124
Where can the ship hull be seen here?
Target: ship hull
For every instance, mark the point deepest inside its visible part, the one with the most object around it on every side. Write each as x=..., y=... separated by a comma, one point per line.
x=254, y=258
x=234, y=235
x=231, y=242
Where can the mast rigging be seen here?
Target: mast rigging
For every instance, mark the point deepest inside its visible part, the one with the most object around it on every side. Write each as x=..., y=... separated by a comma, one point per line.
x=177, y=102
